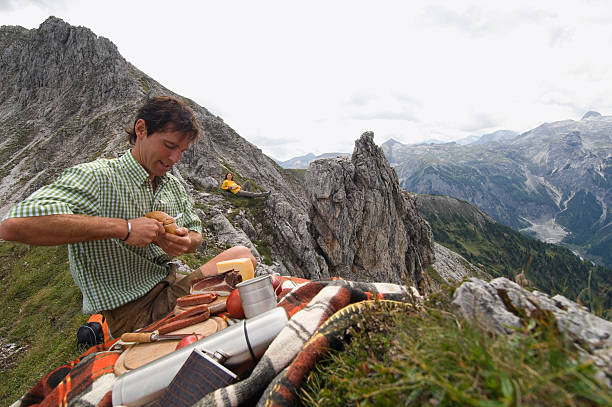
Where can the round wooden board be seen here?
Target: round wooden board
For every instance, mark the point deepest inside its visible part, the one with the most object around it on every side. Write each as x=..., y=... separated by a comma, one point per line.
x=140, y=354
x=119, y=368
x=221, y=323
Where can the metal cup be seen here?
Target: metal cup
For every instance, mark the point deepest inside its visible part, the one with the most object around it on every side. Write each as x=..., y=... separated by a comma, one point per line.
x=257, y=296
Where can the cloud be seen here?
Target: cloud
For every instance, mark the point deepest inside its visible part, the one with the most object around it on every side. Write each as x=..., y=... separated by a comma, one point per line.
x=559, y=98
x=271, y=141
x=478, y=122
x=361, y=99
x=409, y=99
x=9, y=5
x=478, y=21
x=558, y=36
x=385, y=116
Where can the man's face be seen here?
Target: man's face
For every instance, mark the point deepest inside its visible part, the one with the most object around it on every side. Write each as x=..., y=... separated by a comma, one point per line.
x=159, y=151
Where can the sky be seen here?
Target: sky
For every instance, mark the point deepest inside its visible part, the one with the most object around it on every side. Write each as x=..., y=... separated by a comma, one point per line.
x=310, y=77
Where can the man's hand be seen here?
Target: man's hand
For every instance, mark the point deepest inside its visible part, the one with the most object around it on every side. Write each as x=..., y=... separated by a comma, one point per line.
x=144, y=231
x=54, y=230
x=62, y=229
x=175, y=245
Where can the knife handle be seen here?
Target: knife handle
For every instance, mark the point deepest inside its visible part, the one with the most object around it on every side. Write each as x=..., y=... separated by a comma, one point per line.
x=139, y=337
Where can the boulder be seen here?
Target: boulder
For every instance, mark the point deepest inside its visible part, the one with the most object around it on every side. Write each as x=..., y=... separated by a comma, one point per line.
x=503, y=307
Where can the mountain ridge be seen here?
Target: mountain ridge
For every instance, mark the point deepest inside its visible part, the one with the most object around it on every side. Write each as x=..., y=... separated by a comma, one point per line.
x=536, y=182
x=70, y=96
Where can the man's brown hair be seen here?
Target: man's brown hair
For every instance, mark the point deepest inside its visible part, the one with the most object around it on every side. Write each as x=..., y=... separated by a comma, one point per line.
x=166, y=113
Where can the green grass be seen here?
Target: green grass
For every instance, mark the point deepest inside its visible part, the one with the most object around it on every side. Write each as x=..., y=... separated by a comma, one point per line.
x=195, y=260
x=263, y=248
x=41, y=311
x=297, y=173
x=436, y=359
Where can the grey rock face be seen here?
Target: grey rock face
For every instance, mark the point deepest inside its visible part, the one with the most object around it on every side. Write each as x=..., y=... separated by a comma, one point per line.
x=363, y=224
x=503, y=306
x=297, y=254
x=229, y=235
x=452, y=268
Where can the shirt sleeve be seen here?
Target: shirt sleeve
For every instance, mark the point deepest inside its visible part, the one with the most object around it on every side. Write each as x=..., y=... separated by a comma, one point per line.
x=225, y=185
x=74, y=192
x=190, y=219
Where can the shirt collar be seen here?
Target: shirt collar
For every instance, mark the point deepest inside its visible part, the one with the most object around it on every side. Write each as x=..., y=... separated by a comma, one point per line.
x=137, y=172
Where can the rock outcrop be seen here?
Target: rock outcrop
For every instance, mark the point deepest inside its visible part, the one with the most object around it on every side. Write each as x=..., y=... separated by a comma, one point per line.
x=504, y=307
x=451, y=268
x=364, y=225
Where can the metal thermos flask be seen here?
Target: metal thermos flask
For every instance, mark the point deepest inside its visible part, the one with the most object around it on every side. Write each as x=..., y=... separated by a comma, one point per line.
x=244, y=343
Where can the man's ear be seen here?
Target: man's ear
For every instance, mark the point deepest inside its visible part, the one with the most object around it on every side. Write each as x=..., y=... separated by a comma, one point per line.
x=140, y=128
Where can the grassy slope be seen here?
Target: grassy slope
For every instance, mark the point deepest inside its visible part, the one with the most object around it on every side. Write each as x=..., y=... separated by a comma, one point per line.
x=436, y=359
x=41, y=310
x=502, y=251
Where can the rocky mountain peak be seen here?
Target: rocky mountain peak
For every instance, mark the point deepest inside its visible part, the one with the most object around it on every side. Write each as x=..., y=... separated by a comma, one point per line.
x=591, y=113
x=364, y=225
x=68, y=68
x=390, y=143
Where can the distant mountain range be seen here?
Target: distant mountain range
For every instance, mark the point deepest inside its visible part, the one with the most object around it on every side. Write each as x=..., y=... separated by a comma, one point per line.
x=302, y=162
x=553, y=182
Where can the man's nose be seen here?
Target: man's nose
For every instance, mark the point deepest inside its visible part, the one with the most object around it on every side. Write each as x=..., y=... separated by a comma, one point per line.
x=175, y=156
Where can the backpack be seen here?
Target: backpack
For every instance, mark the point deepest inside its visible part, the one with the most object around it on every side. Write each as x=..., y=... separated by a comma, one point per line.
x=94, y=332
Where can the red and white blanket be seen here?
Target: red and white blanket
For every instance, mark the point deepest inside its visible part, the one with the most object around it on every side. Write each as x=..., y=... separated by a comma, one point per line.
x=88, y=380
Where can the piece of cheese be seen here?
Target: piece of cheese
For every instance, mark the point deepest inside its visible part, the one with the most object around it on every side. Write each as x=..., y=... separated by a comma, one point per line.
x=243, y=265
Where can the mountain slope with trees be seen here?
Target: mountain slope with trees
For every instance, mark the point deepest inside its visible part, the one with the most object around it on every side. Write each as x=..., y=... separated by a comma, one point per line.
x=504, y=252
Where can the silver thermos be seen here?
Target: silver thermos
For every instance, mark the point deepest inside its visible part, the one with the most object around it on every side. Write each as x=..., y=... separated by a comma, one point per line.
x=244, y=343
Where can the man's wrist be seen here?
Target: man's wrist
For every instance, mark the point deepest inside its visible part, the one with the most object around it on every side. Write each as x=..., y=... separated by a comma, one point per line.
x=129, y=230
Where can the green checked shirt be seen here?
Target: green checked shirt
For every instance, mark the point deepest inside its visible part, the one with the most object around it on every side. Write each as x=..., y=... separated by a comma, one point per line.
x=109, y=272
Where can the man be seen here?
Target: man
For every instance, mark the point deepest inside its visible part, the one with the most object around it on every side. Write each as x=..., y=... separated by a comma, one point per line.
x=118, y=257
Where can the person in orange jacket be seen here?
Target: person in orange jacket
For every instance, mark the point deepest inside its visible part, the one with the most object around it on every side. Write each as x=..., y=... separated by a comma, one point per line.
x=230, y=185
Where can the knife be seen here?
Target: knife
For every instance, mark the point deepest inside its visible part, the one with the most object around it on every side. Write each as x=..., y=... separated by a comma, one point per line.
x=146, y=337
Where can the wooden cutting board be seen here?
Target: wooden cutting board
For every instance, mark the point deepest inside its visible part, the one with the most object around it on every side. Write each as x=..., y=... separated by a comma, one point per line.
x=142, y=353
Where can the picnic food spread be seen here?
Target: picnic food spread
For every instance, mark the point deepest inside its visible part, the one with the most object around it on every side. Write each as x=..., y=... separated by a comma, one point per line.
x=278, y=375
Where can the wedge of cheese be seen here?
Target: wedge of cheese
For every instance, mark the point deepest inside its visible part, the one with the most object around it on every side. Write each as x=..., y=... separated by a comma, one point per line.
x=243, y=265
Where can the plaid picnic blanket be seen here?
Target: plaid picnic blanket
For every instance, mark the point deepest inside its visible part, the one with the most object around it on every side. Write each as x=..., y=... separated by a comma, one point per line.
x=88, y=380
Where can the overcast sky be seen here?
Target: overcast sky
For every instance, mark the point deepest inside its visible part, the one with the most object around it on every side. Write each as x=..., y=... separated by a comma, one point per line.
x=298, y=77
